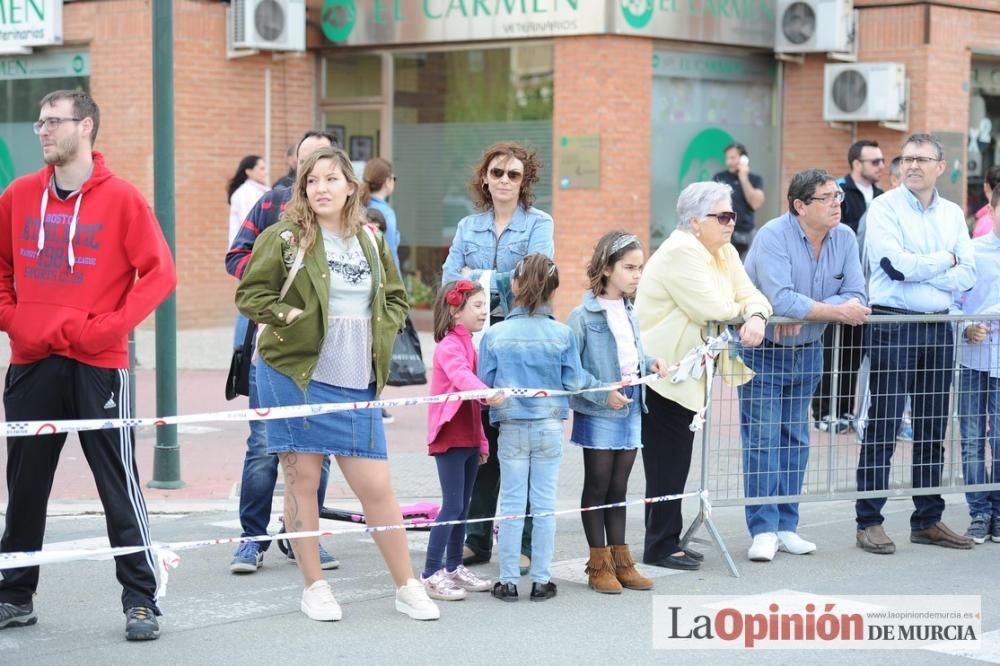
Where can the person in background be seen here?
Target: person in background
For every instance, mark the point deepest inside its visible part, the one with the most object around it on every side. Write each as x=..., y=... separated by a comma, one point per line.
x=747, y=197
x=694, y=277
x=984, y=216
x=292, y=160
x=245, y=189
x=376, y=217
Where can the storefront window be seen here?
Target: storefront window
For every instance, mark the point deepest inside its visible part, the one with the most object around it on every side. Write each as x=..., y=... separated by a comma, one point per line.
x=24, y=81
x=702, y=103
x=353, y=76
x=448, y=107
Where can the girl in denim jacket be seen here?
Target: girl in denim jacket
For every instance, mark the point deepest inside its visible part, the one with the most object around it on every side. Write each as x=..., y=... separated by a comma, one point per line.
x=608, y=426
x=530, y=349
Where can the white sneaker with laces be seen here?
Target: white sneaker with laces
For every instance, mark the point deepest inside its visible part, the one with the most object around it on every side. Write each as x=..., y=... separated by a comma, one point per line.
x=412, y=600
x=441, y=586
x=318, y=603
x=764, y=547
x=790, y=542
x=469, y=581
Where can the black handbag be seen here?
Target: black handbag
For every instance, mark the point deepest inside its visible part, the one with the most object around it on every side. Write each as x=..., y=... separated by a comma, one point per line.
x=238, y=380
x=407, y=368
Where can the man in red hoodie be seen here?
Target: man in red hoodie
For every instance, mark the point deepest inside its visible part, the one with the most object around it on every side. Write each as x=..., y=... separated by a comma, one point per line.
x=82, y=262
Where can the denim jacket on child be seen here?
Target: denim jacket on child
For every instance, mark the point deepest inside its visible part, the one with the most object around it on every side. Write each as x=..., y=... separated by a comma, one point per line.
x=531, y=351
x=476, y=246
x=599, y=355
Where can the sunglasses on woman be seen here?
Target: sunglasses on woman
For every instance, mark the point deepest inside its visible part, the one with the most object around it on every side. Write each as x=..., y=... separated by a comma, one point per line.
x=512, y=175
x=724, y=218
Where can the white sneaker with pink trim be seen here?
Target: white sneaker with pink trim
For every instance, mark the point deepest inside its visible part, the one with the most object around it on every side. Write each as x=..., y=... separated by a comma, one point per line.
x=468, y=581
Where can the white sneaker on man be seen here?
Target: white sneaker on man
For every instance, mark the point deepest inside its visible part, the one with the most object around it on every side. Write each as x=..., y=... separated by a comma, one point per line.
x=764, y=547
x=318, y=603
x=412, y=600
x=790, y=542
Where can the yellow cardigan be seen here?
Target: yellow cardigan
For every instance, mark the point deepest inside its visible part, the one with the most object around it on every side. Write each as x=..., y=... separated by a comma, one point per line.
x=683, y=287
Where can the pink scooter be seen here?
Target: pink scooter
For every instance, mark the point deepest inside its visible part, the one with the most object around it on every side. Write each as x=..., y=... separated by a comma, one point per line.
x=416, y=516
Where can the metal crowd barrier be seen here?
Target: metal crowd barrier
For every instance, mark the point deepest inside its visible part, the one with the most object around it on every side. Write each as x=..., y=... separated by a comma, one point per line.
x=856, y=397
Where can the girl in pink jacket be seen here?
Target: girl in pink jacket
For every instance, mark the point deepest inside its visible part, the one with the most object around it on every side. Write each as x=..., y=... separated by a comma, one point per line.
x=455, y=435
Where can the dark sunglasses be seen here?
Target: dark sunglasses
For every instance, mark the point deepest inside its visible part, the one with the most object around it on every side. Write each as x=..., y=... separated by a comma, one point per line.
x=512, y=175
x=724, y=218
x=878, y=161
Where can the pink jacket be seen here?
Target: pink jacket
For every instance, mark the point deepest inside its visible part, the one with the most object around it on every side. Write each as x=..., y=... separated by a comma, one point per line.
x=984, y=222
x=454, y=370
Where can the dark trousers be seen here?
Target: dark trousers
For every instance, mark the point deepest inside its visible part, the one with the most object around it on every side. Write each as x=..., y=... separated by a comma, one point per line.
x=59, y=388
x=479, y=536
x=851, y=352
x=457, y=472
x=907, y=359
x=667, y=441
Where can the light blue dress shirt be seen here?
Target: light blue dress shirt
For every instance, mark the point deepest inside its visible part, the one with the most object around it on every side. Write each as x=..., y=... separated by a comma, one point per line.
x=983, y=298
x=909, y=250
x=392, y=235
x=782, y=264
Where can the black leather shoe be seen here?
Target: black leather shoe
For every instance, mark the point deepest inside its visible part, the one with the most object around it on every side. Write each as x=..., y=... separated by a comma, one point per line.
x=505, y=591
x=543, y=591
x=682, y=562
x=693, y=554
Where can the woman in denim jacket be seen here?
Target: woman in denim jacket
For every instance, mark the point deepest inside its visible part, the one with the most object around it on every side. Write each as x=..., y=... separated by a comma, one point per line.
x=530, y=350
x=608, y=426
x=486, y=248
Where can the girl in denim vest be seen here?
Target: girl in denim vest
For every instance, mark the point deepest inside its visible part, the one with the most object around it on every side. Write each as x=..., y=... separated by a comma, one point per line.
x=455, y=435
x=530, y=349
x=608, y=426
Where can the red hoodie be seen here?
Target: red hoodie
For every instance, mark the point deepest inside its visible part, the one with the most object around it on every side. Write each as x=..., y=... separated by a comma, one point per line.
x=79, y=300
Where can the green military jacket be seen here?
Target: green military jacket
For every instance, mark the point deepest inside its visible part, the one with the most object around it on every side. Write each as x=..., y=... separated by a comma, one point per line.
x=293, y=349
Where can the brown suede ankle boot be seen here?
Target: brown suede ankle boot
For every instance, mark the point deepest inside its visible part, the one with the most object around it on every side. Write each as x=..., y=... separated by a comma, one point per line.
x=601, y=572
x=626, y=572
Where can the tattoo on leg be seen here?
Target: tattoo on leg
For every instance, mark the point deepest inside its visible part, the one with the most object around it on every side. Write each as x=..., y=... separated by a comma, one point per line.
x=288, y=463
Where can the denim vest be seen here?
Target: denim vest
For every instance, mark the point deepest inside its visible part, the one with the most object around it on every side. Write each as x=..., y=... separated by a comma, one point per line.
x=531, y=351
x=599, y=355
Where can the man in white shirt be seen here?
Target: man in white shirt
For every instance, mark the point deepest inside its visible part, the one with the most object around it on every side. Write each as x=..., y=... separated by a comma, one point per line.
x=919, y=254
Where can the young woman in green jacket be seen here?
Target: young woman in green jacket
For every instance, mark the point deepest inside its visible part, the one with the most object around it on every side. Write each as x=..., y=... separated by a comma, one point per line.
x=329, y=339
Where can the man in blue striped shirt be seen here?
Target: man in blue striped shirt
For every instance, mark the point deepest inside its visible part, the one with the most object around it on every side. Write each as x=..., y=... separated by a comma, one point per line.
x=806, y=264
x=919, y=254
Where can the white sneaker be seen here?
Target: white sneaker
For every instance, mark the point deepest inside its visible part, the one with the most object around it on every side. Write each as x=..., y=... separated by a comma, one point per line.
x=764, y=547
x=469, y=581
x=440, y=586
x=412, y=600
x=318, y=603
x=790, y=542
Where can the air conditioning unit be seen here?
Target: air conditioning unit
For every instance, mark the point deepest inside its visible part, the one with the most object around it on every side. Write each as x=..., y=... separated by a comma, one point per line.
x=814, y=26
x=870, y=91
x=267, y=25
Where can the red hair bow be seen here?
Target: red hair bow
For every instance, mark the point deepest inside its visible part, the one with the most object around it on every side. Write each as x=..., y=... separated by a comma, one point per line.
x=454, y=297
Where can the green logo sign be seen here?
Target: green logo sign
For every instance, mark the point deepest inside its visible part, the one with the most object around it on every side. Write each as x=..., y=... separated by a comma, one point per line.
x=706, y=147
x=6, y=166
x=77, y=63
x=337, y=19
x=637, y=13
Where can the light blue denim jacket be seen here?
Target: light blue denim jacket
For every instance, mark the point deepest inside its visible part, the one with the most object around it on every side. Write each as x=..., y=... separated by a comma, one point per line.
x=476, y=245
x=531, y=351
x=599, y=355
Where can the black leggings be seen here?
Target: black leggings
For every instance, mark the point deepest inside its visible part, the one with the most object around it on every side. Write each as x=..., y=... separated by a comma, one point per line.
x=605, y=481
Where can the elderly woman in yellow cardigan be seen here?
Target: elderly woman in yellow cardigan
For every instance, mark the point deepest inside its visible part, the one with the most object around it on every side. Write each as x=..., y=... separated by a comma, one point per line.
x=693, y=278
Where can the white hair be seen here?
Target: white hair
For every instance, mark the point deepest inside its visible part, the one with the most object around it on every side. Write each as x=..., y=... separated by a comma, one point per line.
x=697, y=201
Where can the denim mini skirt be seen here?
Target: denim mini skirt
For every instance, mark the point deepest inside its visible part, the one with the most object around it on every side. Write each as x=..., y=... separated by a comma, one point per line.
x=609, y=432
x=357, y=433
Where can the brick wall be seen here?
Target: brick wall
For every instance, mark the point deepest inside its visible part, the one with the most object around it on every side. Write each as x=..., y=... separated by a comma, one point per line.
x=219, y=118
x=603, y=85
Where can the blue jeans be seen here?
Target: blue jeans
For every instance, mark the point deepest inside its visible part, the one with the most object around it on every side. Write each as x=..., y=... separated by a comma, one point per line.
x=457, y=470
x=774, y=429
x=530, y=453
x=906, y=359
x=260, y=473
x=979, y=398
